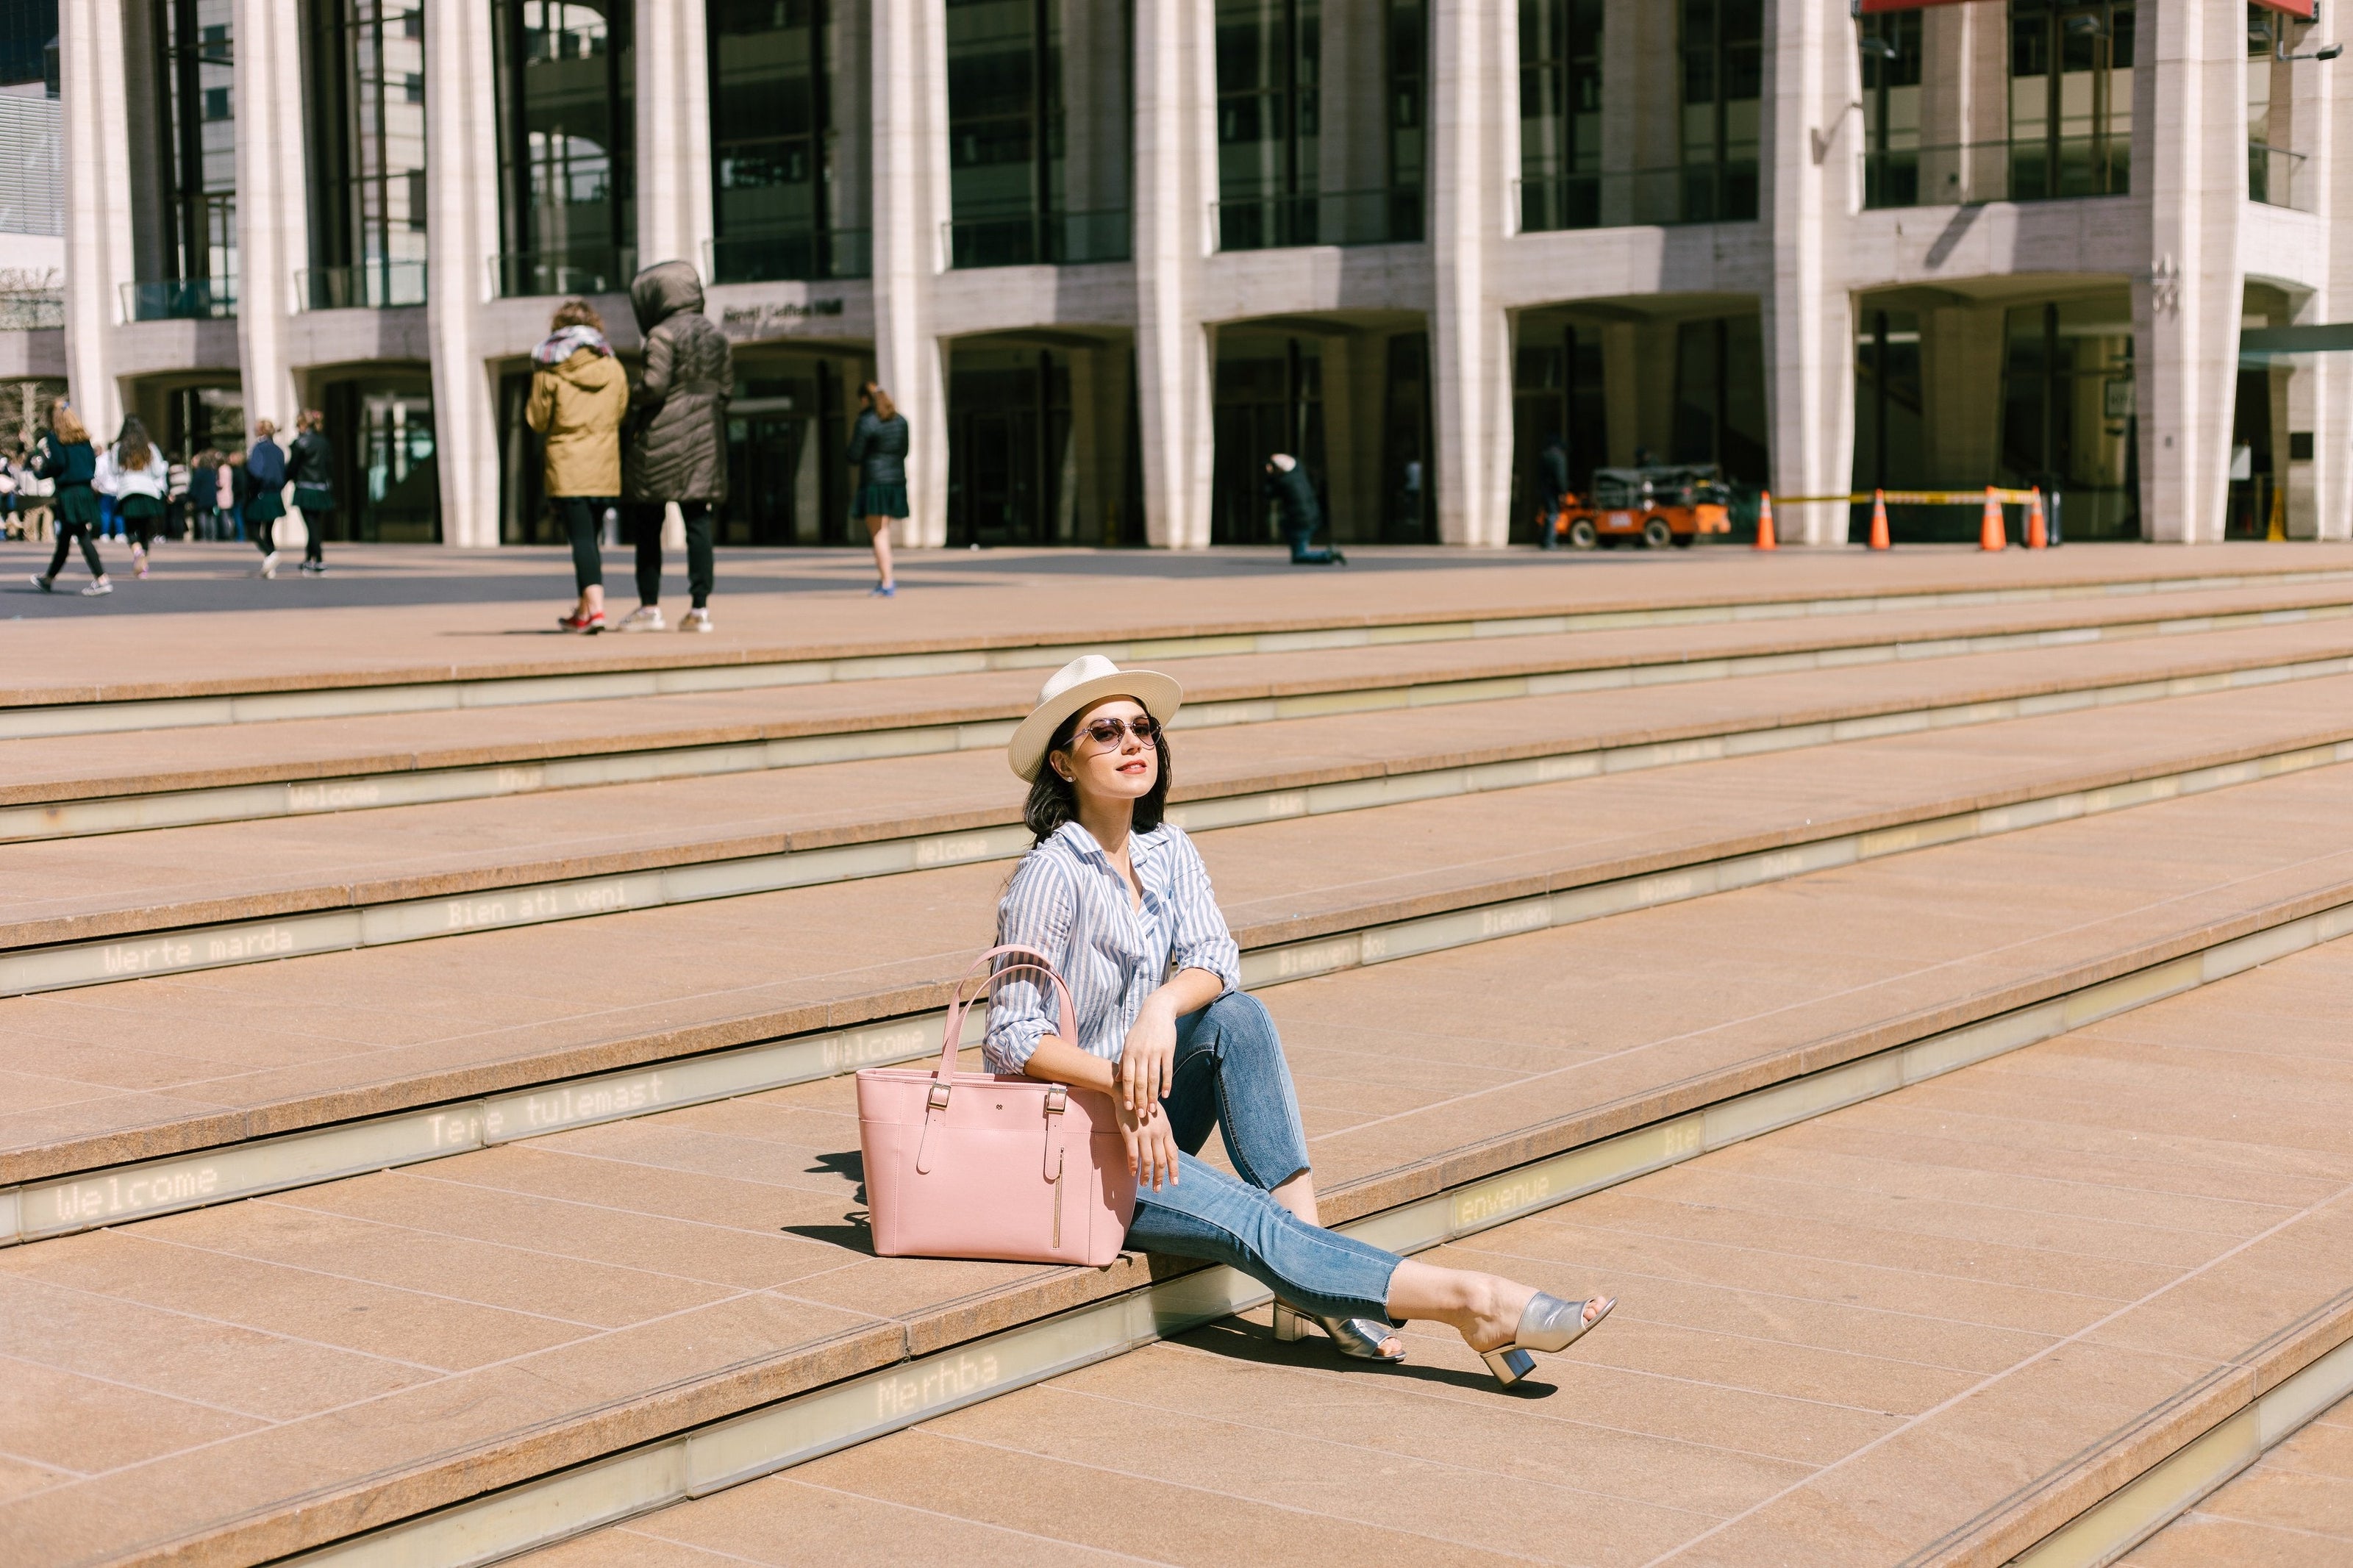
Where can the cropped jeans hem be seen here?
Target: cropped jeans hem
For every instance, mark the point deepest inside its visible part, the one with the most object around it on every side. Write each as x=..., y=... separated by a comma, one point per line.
x=1230, y=1074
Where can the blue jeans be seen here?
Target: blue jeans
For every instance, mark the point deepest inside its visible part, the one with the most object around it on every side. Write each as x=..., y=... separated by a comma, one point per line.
x=1230, y=1074
x=1300, y=555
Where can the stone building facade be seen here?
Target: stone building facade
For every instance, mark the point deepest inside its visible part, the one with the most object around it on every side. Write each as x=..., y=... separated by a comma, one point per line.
x=1109, y=254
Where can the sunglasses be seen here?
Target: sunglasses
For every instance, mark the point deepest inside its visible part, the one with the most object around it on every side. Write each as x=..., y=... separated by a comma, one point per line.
x=1110, y=731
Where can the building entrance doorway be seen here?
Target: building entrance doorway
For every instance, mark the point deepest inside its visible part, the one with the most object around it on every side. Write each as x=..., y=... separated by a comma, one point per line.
x=786, y=431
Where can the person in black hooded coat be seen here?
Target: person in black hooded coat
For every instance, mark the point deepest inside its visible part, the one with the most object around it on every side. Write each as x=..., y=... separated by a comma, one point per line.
x=675, y=448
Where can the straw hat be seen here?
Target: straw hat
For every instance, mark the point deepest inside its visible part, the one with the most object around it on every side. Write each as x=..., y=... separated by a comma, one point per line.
x=1077, y=687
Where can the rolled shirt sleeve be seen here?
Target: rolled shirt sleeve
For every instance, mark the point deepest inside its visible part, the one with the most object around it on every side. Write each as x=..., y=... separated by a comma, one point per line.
x=1198, y=937
x=1036, y=912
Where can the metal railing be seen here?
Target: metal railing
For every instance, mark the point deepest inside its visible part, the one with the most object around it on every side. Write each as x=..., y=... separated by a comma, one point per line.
x=1963, y=174
x=1028, y=239
x=567, y=269
x=180, y=298
x=31, y=312
x=790, y=255
x=1391, y=216
x=2271, y=175
x=364, y=285
x=1689, y=193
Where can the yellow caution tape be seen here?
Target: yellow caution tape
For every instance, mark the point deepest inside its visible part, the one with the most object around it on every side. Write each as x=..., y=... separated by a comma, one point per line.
x=1913, y=498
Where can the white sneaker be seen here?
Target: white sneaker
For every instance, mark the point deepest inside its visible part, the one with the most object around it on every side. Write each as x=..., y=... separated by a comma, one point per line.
x=96, y=589
x=269, y=565
x=644, y=619
x=695, y=621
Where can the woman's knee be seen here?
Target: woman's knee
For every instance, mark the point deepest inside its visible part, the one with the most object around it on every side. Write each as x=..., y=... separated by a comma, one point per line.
x=1242, y=1022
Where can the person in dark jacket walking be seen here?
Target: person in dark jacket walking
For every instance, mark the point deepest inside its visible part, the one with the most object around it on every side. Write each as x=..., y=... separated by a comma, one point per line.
x=264, y=498
x=1552, y=478
x=65, y=458
x=1288, y=486
x=676, y=449
x=878, y=450
x=312, y=465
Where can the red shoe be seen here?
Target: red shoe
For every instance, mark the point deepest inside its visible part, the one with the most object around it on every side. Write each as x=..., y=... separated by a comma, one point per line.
x=591, y=625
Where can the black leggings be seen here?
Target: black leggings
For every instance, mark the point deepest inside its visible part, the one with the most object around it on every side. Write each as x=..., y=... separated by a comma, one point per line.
x=646, y=517
x=67, y=533
x=263, y=531
x=584, y=519
x=141, y=525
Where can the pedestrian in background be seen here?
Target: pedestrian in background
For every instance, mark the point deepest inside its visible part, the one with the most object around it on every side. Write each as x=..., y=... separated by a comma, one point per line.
x=677, y=449
x=1294, y=494
x=264, y=494
x=228, y=522
x=11, y=463
x=878, y=450
x=578, y=395
x=1552, y=478
x=134, y=476
x=34, y=496
x=312, y=465
x=66, y=460
x=175, y=499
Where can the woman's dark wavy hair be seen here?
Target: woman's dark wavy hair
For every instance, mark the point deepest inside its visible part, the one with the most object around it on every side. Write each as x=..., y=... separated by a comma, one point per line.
x=1055, y=800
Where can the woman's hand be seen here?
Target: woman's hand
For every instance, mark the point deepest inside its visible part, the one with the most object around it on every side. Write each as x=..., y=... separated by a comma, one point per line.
x=1147, y=1062
x=1151, y=1145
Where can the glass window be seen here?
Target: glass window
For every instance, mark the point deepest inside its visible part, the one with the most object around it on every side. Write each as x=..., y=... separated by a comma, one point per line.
x=1023, y=188
x=1891, y=54
x=1268, y=55
x=775, y=193
x=198, y=161
x=1723, y=58
x=568, y=219
x=1560, y=114
x=2071, y=84
x=367, y=102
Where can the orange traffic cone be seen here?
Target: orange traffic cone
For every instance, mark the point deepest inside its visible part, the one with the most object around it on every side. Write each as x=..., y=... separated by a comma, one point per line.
x=1991, y=533
x=2038, y=537
x=1765, y=539
x=1879, y=520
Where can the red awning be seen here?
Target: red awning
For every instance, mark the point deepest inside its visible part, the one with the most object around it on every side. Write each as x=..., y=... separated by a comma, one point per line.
x=2297, y=8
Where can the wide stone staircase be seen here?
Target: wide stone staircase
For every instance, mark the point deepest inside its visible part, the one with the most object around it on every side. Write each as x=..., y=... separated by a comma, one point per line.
x=430, y=1137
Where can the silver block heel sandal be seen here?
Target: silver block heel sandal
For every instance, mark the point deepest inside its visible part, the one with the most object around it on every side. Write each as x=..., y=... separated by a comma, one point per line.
x=1359, y=1338
x=1547, y=1323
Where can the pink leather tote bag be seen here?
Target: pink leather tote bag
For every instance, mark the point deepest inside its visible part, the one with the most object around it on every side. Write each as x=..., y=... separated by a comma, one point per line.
x=978, y=1165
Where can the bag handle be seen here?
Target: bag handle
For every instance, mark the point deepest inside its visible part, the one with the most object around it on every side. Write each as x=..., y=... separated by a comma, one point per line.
x=1036, y=961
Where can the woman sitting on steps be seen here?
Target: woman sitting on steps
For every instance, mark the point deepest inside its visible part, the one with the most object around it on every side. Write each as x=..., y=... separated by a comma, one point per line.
x=1120, y=902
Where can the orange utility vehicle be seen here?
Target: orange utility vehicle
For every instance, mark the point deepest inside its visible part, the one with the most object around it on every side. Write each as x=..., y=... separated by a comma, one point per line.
x=1660, y=505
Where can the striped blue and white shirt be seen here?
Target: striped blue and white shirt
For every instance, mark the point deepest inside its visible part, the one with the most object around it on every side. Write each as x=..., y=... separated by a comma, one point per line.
x=1069, y=902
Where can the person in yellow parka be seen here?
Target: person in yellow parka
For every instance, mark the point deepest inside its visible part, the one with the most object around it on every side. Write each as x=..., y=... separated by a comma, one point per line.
x=578, y=396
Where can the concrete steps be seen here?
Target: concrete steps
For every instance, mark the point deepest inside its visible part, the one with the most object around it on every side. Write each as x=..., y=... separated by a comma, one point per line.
x=92, y=784
x=410, y=1050
x=1962, y=1324
x=440, y=655
x=1250, y=684
x=2292, y=1507
x=437, y=1251
x=751, y=834
x=681, y=1301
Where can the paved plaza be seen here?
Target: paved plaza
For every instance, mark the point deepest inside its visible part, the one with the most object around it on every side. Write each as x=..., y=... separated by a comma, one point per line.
x=1913, y=984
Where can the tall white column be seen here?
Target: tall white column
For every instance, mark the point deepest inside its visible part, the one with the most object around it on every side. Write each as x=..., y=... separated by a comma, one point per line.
x=910, y=102
x=462, y=228
x=1473, y=69
x=1175, y=179
x=273, y=227
x=99, y=260
x=2189, y=140
x=673, y=107
x=1810, y=139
